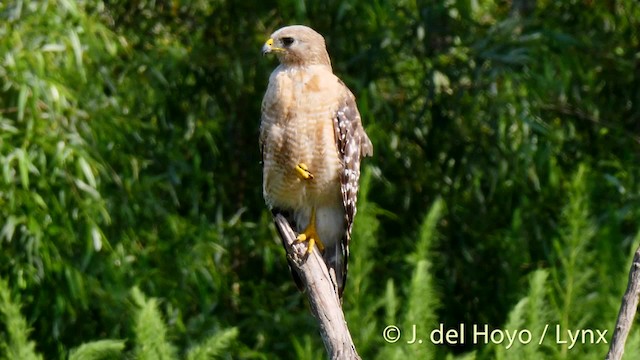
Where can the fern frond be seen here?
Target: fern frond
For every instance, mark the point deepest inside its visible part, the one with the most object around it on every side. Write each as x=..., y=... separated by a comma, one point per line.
x=215, y=346
x=98, y=350
x=16, y=344
x=423, y=302
x=150, y=330
x=530, y=314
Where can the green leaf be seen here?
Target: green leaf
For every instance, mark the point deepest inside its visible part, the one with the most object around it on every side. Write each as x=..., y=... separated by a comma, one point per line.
x=98, y=350
x=16, y=345
x=77, y=49
x=23, y=167
x=22, y=101
x=88, y=173
x=150, y=330
x=215, y=346
x=10, y=226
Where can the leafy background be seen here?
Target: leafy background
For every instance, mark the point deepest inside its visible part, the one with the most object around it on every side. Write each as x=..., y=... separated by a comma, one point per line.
x=504, y=189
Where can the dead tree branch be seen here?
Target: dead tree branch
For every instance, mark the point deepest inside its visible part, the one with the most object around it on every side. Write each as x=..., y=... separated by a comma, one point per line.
x=627, y=312
x=321, y=293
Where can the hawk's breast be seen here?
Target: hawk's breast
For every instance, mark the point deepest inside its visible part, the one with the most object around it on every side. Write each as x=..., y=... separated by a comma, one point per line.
x=297, y=127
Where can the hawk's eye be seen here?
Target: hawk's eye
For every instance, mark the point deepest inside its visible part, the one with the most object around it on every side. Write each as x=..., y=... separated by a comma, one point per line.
x=287, y=41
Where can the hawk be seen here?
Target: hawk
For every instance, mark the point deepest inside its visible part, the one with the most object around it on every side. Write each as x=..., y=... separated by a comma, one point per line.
x=312, y=141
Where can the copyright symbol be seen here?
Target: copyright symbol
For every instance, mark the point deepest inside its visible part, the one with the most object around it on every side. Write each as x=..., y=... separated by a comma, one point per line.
x=391, y=334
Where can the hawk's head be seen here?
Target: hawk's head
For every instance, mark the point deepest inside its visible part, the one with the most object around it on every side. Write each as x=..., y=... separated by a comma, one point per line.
x=297, y=45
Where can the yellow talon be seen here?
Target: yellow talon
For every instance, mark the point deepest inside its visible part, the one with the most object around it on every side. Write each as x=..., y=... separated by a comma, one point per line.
x=311, y=235
x=303, y=171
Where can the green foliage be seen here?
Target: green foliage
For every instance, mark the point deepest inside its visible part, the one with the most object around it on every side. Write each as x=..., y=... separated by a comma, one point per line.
x=573, y=279
x=505, y=165
x=530, y=314
x=14, y=343
x=362, y=307
x=97, y=350
x=306, y=348
x=215, y=347
x=150, y=330
x=422, y=301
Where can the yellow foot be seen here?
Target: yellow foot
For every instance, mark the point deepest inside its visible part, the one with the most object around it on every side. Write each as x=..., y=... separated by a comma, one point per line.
x=310, y=235
x=304, y=172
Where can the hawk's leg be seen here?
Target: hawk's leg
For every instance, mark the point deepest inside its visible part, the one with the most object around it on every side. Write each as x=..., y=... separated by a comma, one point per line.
x=310, y=234
x=304, y=172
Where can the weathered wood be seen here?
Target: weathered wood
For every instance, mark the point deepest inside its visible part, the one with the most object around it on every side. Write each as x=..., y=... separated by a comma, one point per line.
x=323, y=298
x=627, y=312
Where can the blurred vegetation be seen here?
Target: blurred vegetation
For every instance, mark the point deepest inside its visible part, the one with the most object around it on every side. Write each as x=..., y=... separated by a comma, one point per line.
x=504, y=190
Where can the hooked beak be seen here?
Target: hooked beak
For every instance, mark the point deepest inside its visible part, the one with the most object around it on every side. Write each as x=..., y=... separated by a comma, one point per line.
x=269, y=48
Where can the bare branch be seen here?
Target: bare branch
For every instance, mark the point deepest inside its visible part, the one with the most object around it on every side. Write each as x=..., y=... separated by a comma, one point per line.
x=323, y=298
x=627, y=312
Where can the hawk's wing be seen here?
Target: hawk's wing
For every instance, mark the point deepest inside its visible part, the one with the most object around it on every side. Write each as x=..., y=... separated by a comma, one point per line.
x=352, y=144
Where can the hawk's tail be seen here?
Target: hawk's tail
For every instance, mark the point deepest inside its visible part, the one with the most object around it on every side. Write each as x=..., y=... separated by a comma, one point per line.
x=336, y=262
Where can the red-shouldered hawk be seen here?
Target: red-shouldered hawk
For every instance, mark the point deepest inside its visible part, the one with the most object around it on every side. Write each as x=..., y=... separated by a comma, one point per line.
x=312, y=140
